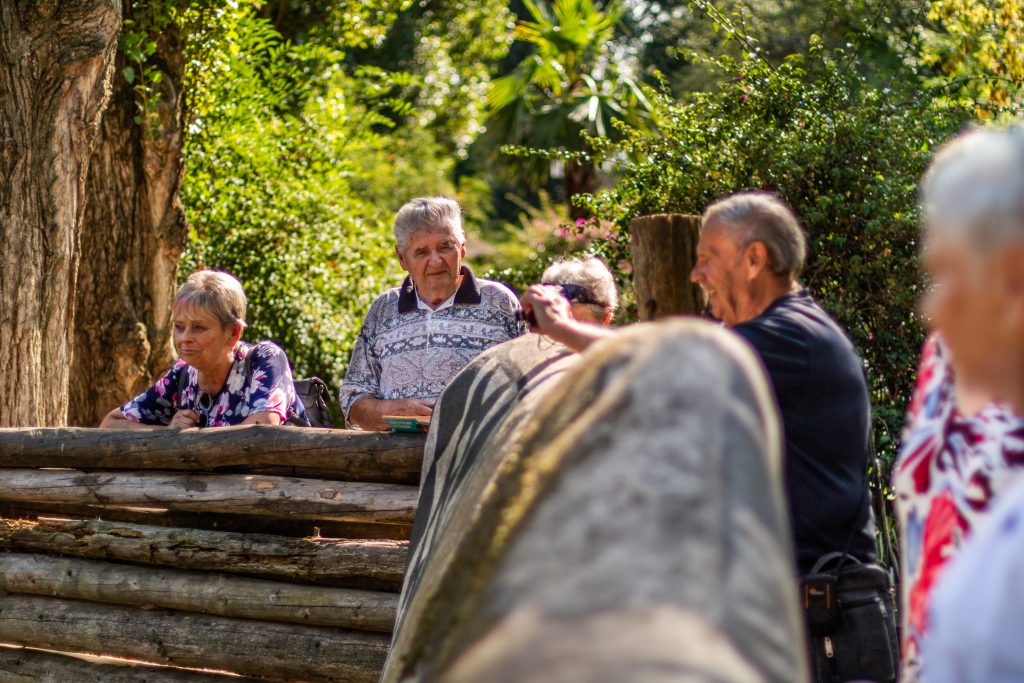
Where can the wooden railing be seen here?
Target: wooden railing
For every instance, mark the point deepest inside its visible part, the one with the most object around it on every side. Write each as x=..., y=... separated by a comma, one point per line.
x=266, y=552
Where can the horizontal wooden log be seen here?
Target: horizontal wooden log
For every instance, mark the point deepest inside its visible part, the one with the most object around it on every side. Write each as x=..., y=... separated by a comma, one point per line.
x=218, y=594
x=325, y=453
x=266, y=496
x=24, y=665
x=347, y=563
x=246, y=524
x=248, y=647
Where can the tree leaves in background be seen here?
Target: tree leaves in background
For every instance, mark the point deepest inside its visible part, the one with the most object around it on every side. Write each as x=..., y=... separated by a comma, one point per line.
x=291, y=183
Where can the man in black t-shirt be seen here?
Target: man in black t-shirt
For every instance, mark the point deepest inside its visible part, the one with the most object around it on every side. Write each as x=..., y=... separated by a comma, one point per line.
x=750, y=253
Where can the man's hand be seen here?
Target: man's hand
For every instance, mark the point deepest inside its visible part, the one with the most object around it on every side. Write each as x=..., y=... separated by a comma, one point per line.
x=553, y=316
x=368, y=412
x=413, y=407
x=184, y=419
x=547, y=310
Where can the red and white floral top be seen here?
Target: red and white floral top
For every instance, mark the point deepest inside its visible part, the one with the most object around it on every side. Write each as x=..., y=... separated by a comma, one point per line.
x=950, y=469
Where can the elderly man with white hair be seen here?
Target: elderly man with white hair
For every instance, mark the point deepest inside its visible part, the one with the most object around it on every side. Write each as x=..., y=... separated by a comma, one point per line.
x=417, y=337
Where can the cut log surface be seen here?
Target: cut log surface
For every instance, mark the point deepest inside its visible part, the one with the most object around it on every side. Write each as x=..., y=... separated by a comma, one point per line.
x=206, y=593
x=664, y=252
x=248, y=494
x=348, y=563
x=243, y=646
x=23, y=665
x=325, y=453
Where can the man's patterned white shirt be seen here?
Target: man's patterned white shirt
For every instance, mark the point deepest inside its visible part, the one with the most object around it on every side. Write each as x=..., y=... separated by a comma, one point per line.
x=408, y=351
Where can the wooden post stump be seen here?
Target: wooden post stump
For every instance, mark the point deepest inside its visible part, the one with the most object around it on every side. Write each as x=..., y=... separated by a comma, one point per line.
x=664, y=253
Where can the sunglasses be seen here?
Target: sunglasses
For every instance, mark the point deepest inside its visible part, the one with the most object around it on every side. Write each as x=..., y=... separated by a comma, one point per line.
x=575, y=294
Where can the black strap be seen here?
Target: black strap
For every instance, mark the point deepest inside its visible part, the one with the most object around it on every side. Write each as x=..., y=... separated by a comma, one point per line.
x=890, y=560
x=877, y=492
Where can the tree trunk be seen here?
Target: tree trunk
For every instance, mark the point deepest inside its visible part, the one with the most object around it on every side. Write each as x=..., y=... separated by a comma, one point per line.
x=580, y=178
x=249, y=647
x=217, y=594
x=664, y=252
x=55, y=64
x=376, y=565
x=133, y=233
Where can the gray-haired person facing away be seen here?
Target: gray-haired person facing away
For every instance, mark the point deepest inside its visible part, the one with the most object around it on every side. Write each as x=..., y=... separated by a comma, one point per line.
x=588, y=286
x=417, y=337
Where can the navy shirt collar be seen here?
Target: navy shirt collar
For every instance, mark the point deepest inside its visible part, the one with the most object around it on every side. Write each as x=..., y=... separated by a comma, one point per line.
x=468, y=292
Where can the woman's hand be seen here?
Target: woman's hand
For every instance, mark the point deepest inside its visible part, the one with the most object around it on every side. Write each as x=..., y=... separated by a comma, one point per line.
x=184, y=419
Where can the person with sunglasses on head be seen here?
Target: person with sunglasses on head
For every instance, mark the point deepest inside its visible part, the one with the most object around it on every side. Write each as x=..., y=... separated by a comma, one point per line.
x=588, y=287
x=219, y=380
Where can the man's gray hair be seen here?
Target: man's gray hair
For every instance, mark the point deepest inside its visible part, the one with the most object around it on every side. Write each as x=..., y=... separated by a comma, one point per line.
x=427, y=213
x=590, y=273
x=763, y=217
x=213, y=292
x=975, y=185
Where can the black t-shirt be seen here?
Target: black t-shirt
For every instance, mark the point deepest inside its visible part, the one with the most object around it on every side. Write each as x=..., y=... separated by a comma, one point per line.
x=823, y=402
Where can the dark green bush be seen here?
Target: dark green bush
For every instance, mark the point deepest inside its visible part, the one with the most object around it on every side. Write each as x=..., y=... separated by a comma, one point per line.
x=845, y=154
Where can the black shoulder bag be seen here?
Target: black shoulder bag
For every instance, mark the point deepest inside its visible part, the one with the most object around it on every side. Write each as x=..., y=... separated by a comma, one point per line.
x=849, y=608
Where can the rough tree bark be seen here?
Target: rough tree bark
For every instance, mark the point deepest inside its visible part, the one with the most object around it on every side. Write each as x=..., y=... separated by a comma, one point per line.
x=56, y=59
x=133, y=234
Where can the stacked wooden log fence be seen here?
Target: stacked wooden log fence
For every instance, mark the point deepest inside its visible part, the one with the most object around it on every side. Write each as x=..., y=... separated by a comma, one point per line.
x=255, y=552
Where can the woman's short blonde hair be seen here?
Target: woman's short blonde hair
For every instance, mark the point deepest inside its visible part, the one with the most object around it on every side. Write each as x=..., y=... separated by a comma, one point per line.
x=213, y=292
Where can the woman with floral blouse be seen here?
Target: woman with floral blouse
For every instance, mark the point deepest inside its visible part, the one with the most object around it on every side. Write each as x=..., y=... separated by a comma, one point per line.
x=219, y=379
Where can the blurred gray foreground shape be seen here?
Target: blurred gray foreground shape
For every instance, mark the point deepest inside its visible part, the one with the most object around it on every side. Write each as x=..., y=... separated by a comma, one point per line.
x=616, y=517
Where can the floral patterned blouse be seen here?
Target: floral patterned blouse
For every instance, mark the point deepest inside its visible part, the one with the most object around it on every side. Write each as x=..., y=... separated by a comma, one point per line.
x=951, y=468
x=268, y=388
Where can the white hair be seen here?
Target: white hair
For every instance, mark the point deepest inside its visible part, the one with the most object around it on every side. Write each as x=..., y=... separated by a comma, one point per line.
x=428, y=213
x=765, y=218
x=590, y=273
x=975, y=185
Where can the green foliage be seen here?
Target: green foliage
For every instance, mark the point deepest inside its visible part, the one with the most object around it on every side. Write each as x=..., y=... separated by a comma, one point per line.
x=570, y=84
x=291, y=181
x=451, y=47
x=671, y=31
x=974, y=48
x=847, y=156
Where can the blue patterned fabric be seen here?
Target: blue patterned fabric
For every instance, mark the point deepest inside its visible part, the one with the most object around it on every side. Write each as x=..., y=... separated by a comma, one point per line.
x=267, y=387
